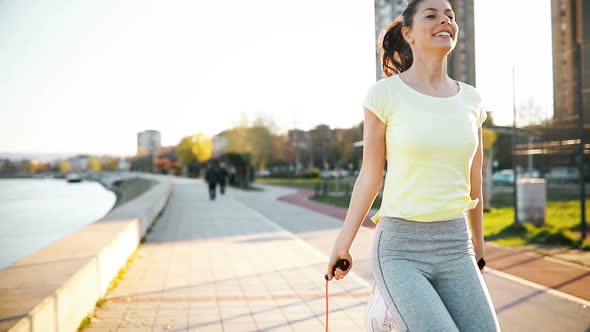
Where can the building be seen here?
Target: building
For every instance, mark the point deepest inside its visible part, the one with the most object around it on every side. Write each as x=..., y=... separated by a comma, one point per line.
x=570, y=27
x=78, y=163
x=148, y=142
x=461, y=64
x=218, y=145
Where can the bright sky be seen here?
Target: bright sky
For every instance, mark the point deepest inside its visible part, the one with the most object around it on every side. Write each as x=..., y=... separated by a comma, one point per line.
x=513, y=33
x=86, y=76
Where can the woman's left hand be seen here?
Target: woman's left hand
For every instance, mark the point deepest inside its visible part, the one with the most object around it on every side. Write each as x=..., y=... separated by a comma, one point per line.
x=479, y=251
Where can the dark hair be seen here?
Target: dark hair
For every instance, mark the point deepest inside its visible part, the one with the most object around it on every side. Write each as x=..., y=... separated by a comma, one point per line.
x=396, y=54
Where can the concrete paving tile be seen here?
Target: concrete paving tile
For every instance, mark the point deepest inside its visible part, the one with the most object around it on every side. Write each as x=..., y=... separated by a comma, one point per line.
x=110, y=313
x=132, y=329
x=202, y=304
x=144, y=307
x=173, y=304
x=171, y=322
x=204, y=317
x=236, y=316
x=169, y=328
x=141, y=326
x=209, y=328
x=100, y=329
x=309, y=325
x=204, y=321
x=239, y=327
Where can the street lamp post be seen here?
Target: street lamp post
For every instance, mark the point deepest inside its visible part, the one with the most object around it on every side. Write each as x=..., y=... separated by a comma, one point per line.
x=579, y=64
x=514, y=168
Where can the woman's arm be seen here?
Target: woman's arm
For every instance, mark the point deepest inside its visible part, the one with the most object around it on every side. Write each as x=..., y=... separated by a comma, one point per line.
x=476, y=214
x=366, y=188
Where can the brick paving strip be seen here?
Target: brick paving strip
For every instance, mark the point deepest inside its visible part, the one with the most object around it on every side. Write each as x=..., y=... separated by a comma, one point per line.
x=566, y=277
x=221, y=266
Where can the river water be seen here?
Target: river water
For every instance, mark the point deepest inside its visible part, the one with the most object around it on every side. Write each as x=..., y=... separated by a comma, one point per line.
x=37, y=212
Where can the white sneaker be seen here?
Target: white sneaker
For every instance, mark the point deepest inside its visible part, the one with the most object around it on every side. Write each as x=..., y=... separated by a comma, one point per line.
x=377, y=317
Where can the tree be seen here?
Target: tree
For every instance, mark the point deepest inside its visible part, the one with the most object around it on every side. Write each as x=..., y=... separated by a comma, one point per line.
x=529, y=113
x=255, y=140
x=111, y=164
x=260, y=138
x=320, y=138
x=64, y=166
x=184, y=151
x=194, y=148
x=93, y=164
x=489, y=138
x=202, y=147
x=35, y=166
x=283, y=151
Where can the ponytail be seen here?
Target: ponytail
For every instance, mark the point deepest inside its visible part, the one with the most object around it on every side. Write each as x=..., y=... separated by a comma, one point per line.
x=396, y=54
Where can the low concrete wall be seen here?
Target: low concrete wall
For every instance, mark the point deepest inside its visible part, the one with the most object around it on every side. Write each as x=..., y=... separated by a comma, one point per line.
x=55, y=288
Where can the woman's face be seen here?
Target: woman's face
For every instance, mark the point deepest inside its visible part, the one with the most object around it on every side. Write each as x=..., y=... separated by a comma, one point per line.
x=434, y=29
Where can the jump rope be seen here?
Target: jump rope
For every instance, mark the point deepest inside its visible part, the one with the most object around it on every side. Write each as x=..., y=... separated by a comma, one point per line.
x=343, y=264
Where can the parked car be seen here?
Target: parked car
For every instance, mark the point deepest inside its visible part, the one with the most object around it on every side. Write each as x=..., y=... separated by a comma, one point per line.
x=534, y=173
x=264, y=173
x=563, y=175
x=503, y=177
x=328, y=174
x=73, y=178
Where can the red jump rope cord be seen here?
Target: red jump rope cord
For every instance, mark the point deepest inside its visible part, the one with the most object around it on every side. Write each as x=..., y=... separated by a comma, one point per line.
x=327, y=306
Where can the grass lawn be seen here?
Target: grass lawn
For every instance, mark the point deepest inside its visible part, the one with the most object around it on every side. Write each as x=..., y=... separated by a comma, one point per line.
x=296, y=183
x=562, y=222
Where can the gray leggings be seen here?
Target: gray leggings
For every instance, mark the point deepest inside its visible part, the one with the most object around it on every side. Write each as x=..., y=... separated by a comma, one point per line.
x=427, y=274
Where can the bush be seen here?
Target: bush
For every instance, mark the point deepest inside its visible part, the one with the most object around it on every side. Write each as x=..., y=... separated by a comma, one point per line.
x=313, y=173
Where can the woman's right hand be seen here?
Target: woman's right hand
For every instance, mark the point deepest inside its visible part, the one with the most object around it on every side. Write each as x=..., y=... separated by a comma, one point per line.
x=335, y=257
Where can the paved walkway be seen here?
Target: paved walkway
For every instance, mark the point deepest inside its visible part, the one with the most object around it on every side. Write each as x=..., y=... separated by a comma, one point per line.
x=222, y=266
x=250, y=262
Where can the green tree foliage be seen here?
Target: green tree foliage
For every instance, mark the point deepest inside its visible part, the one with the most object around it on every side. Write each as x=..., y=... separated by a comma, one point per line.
x=194, y=148
x=111, y=164
x=64, y=166
x=93, y=164
x=202, y=147
x=184, y=151
x=255, y=140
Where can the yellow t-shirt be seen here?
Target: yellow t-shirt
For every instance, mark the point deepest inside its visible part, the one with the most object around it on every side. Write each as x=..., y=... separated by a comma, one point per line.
x=430, y=145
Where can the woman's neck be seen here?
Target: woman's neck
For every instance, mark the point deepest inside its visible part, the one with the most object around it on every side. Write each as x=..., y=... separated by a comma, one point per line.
x=430, y=71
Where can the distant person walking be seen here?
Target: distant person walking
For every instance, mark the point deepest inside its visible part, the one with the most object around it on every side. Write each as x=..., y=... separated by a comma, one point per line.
x=427, y=126
x=212, y=178
x=223, y=175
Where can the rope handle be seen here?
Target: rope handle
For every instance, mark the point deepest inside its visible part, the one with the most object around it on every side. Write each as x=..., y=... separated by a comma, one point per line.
x=343, y=264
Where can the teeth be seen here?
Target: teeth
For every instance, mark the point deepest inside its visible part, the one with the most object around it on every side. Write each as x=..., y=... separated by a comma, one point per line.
x=444, y=33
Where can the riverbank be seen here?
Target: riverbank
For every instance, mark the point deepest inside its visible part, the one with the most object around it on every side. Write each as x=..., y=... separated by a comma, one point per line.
x=36, y=212
x=59, y=285
x=126, y=186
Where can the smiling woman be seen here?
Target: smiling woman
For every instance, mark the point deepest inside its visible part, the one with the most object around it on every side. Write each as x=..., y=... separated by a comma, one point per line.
x=425, y=128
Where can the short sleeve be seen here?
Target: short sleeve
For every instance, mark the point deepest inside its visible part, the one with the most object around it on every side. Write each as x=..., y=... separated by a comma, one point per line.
x=482, y=117
x=374, y=101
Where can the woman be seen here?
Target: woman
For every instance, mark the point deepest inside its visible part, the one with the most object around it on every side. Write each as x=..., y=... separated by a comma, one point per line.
x=428, y=129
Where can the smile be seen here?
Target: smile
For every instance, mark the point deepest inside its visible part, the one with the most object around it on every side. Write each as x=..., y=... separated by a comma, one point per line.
x=443, y=34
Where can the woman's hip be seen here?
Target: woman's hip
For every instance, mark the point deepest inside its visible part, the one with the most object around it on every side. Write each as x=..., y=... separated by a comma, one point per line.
x=397, y=237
